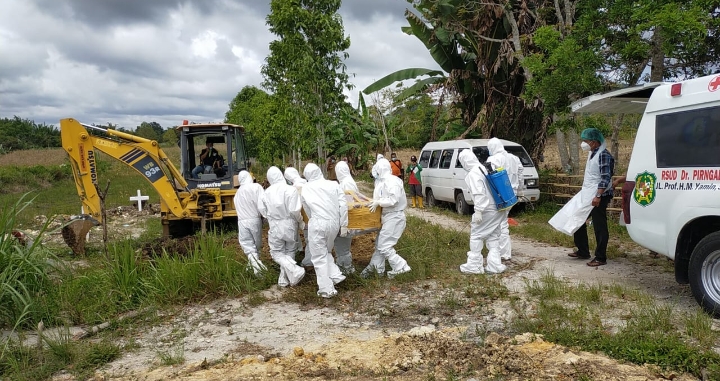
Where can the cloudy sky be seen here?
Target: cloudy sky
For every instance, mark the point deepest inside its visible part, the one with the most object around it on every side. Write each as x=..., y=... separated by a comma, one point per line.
x=128, y=61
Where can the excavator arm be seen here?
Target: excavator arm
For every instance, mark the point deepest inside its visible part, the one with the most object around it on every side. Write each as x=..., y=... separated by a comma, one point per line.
x=143, y=155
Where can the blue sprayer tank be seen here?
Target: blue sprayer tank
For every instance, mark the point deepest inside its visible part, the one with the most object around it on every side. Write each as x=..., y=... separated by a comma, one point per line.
x=501, y=189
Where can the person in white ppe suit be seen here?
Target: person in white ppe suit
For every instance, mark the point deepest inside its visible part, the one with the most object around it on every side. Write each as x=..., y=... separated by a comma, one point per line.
x=292, y=175
x=389, y=193
x=280, y=204
x=342, y=244
x=486, y=220
x=373, y=170
x=499, y=158
x=326, y=207
x=246, y=201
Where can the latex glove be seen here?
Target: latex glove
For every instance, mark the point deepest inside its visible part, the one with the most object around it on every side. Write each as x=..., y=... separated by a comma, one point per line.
x=301, y=225
x=477, y=218
x=343, y=231
x=373, y=205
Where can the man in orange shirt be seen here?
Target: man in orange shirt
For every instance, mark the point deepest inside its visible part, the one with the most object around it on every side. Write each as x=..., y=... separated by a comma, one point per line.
x=396, y=166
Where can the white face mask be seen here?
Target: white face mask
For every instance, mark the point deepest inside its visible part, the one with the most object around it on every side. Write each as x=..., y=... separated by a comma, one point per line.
x=584, y=146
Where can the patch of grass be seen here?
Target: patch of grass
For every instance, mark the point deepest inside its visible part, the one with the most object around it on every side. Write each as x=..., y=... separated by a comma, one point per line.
x=209, y=271
x=431, y=251
x=652, y=333
x=486, y=288
x=174, y=357
x=450, y=300
x=24, y=363
x=699, y=326
x=547, y=287
x=24, y=271
x=93, y=356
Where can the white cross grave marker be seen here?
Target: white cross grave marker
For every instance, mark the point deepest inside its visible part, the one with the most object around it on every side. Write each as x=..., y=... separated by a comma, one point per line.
x=139, y=198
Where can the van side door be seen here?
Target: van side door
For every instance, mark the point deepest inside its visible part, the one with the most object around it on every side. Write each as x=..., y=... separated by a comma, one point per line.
x=458, y=179
x=430, y=172
x=445, y=190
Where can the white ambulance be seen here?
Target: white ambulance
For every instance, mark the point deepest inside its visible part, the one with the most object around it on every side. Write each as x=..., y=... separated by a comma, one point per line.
x=671, y=200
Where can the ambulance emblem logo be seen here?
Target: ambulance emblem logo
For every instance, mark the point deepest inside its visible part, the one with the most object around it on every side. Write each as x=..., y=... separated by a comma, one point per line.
x=714, y=84
x=644, y=193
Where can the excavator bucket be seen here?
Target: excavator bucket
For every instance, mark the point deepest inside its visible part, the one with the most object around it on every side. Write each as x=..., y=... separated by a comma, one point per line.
x=75, y=232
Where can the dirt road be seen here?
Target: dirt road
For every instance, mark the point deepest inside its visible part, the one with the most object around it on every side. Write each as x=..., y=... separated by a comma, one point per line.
x=392, y=338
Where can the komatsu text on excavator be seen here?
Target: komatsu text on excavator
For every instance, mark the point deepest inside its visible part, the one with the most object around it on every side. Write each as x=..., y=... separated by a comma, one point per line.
x=193, y=197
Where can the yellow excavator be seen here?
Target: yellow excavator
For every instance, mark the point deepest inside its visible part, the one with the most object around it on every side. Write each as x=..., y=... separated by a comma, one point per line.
x=192, y=197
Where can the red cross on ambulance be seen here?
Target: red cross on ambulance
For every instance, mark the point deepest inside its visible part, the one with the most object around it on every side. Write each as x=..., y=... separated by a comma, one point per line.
x=714, y=84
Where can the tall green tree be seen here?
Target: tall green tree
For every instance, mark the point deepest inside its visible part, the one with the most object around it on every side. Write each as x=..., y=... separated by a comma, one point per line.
x=150, y=130
x=305, y=69
x=354, y=135
x=651, y=40
x=257, y=111
x=412, y=121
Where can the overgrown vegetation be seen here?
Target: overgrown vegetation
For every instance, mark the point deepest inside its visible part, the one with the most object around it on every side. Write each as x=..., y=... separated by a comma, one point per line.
x=579, y=315
x=19, y=134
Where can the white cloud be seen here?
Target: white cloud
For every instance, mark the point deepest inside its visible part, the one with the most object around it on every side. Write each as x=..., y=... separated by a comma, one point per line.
x=126, y=62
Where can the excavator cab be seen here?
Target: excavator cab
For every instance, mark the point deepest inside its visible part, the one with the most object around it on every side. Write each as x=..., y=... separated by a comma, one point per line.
x=227, y=139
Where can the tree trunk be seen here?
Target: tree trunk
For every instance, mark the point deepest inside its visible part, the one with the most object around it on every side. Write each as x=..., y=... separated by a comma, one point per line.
x=387, y=140
x=436, y=118
x=615, y=146
x=574, y=147
x=657, y=58
x=321, y=149
x=563, y=150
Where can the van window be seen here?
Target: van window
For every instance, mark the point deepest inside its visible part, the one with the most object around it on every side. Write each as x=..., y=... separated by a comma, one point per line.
x=446, y=158
x=434, y=159
x=521, y=154
x=688, y=138
x=481, y=153
x=457, y=162
x=424, y=159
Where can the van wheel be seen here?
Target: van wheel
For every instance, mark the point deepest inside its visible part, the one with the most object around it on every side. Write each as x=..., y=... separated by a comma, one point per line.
x=704, y=270
x=461, y=206
x=430, y=198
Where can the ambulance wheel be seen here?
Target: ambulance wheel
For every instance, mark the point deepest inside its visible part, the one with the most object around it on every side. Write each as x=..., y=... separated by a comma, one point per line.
x=704, y=273
x=430, y=197
x=461, y=205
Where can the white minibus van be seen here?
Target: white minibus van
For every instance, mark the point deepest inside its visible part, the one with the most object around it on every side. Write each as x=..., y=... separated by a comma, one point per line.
x=671, y=200
x=443, y=178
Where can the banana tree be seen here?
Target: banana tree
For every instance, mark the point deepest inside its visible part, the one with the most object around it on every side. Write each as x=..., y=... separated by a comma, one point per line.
x=479, y=46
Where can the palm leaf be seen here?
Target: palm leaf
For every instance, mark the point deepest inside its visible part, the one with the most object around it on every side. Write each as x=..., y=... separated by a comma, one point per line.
x=418, y=87
x=417, y=28
x=400, y=75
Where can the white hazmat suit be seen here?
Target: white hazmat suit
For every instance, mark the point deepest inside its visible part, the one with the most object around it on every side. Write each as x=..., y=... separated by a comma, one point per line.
x=389, y=193
x=292, y=175
x=499, y=158
x=246, y=201
x=373, y=170
x=342, y=244
x=325, y=205
x=280, y=204
x=485, y=225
